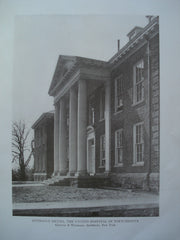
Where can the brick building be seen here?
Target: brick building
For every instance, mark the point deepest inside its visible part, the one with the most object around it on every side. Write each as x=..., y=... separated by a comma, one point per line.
x=106, y=120
x=44, y=146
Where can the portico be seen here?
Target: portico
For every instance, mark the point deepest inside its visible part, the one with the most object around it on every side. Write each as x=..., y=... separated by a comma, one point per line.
x=74, y=80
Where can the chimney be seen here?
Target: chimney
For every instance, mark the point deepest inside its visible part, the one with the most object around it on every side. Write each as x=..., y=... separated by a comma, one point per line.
x=149, y=17
x=118, y=41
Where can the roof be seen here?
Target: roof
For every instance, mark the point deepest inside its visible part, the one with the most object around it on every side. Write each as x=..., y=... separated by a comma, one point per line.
x=139, y=36
x=67, y=65
x=42, y=118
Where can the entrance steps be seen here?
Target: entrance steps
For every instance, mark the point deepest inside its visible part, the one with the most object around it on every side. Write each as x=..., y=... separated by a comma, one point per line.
x=97, y=181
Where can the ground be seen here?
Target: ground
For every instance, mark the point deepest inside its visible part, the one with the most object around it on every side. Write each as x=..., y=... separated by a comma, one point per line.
x=30, y=194
x=62, y=201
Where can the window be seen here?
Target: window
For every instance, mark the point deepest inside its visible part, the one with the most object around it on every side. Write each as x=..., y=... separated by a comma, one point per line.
x=102, y=105
x=138, y=88
x=119, y=93
x=138, y=144
x=102, y=151
x=119, y=147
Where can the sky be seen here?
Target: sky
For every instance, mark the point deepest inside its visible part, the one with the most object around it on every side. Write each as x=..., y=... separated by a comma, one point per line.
x=39, y=40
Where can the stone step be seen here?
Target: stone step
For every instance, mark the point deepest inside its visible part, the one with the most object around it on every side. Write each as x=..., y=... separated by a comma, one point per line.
x=81, y=181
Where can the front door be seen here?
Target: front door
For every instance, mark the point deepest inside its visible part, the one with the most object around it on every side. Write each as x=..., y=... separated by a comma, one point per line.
x=91, y=156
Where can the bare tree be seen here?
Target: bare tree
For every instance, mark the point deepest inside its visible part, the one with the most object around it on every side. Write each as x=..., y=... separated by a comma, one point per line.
x=19, y=146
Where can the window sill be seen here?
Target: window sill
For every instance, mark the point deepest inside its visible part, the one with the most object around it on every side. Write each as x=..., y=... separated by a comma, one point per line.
x=137, y=103
x=139, y=164
x=101, y=120
x=117, y=112
x=118, y=165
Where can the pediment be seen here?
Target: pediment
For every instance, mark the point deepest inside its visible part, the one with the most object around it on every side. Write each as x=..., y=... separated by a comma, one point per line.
x=64, y=64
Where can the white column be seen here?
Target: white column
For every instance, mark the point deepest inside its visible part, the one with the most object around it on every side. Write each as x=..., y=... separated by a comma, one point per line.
x=108, y=126
x=72, y=132
x=45, y=148
x=56, y=139
x=82, y=124
x=62, y=138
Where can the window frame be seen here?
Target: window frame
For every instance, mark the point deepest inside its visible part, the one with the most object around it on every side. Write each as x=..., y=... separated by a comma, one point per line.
x=118, y=107
x=102, y=150
x=135, y=162
x=135, y=83
x=121, y=147
x=91, y=115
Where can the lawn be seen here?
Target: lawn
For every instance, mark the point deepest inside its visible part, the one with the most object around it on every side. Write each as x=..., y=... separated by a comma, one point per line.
x=29, y=194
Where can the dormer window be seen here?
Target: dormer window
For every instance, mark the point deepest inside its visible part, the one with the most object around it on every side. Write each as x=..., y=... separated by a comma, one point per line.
x=134, y=32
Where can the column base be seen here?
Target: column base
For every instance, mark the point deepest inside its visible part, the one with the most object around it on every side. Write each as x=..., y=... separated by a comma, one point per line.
x=71, y=174
x=81, y=173
x=63, y=172
x=40, y=176
x=56, y=173
x=107, y=173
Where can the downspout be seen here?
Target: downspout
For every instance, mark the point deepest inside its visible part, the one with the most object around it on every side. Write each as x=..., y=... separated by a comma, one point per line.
x=150, y=117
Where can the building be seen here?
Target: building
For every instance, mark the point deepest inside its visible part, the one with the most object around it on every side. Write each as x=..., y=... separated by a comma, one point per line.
x=44, y=146
x=106, y=120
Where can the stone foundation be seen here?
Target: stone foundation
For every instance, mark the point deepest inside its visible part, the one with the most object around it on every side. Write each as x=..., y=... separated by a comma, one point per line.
x=130, y=180
x=154, y=182
x=122, y=180
x=136, y=181
x=40, y=176
x=82, y=181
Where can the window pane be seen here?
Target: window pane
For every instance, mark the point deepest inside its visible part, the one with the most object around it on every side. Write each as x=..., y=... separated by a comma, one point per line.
x=119, y=92
x=139, y=78
x=139, y=144
x=119, y=146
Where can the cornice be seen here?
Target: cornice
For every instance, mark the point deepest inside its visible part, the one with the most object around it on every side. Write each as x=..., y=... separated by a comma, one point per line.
x=80, y=62
x=134, y=48
x=146, y=31
x=42, y=118
x=84, y=74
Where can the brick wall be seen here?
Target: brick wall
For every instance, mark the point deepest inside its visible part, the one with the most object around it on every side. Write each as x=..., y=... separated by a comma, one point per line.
x=130, y=114
x=155, y=115
x=50, y=147
x=44, y=150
